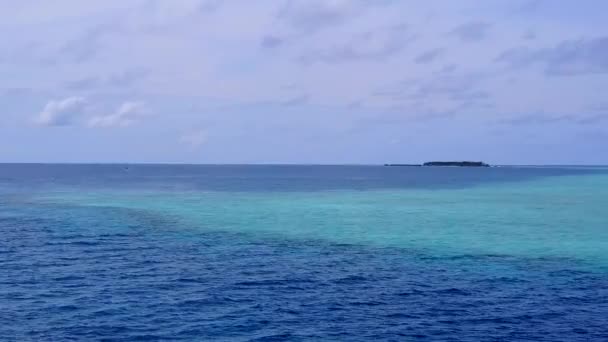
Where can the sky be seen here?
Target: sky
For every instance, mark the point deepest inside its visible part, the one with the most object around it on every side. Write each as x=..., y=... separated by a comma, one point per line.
x=304, y=81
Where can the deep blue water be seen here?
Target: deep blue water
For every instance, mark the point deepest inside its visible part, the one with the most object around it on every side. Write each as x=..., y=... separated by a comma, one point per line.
x=266, y=177
x=114, y=252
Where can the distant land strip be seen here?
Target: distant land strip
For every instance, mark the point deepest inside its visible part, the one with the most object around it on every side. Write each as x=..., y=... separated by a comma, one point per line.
x=446, y=163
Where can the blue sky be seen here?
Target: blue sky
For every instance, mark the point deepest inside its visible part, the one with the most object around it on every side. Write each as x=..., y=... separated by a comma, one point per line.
x=304, y=81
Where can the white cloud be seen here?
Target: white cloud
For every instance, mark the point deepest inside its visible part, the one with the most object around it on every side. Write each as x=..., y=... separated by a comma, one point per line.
x=127, y=114
x=195, y=139
x=61, y=112
x=186, y=62
x=185, y=48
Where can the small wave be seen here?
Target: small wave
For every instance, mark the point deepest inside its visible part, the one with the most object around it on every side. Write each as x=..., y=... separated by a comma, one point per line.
x=191, y=280
x=69, y=278
x=411, y=293
x=400, y=315
x=366, y=303
x=67, y=307
x=273, y=282
x=503, y=280
x=212, y=301
x=272, y=338
x=452, y=292
x=350, y=280
x=261, y=283
x=84, y=243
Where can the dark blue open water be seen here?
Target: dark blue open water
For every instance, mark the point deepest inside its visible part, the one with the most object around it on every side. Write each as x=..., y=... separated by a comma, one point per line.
x=294, y=253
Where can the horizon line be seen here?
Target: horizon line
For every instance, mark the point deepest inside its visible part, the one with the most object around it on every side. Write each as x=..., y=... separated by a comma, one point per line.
x=270, y=164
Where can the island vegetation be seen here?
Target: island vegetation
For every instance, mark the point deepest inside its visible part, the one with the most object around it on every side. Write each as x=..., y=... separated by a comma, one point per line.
x=447, y=163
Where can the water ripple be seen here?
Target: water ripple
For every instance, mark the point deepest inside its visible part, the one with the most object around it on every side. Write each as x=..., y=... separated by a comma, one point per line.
x=138, y=282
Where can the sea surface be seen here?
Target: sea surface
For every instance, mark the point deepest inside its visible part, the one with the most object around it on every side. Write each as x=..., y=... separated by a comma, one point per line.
x=303, y=253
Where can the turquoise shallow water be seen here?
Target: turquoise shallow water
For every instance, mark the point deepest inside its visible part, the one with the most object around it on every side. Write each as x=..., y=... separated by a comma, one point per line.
x=300, y=253
x=552, y=217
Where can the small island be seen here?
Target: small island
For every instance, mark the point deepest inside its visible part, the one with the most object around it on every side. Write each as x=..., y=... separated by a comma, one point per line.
x=447, y=163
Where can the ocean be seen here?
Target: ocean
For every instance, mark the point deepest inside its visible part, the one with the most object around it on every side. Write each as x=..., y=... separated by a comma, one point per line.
x=303, y=253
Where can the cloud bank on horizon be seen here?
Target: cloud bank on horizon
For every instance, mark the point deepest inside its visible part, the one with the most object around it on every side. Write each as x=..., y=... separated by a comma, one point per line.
x=304, y=81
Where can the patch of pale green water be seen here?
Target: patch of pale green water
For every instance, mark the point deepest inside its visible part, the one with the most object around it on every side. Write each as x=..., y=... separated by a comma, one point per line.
x=564, y=217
